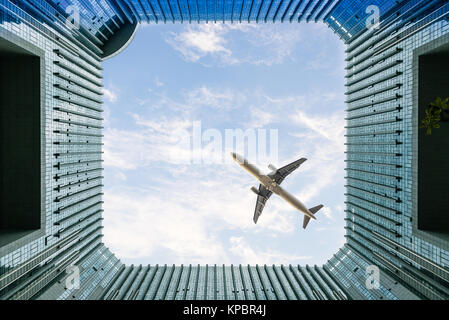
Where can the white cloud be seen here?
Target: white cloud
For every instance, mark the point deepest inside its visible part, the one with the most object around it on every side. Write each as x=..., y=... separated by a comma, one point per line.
x=110, y=95
x=199, y=41
x=327, y=212
x=264, y=45
x=222, y=99
x=158, y=83
x=151, y=141
x=331, y=127
x=139, y=224
x=260, y=118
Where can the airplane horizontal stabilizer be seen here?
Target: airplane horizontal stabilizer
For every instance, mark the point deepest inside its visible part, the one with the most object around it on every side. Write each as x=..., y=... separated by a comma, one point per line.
x=307, y=218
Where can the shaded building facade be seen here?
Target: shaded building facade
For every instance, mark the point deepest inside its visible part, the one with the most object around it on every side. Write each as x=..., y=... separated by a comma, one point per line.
x=51, y=129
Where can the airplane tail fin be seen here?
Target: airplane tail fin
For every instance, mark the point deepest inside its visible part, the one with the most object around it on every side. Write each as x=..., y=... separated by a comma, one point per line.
x=307, y=219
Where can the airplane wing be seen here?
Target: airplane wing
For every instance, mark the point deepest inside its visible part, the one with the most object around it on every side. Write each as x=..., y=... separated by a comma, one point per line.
x=262, y=198
x=280, y=174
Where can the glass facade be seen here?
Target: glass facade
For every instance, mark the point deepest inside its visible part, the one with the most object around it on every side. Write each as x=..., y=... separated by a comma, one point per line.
x=385, y=255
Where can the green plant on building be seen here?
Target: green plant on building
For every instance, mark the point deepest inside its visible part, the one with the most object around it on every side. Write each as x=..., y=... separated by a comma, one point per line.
x=436, y=111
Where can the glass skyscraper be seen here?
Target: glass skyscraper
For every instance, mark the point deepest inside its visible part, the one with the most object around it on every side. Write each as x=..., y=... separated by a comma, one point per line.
x=397, y=230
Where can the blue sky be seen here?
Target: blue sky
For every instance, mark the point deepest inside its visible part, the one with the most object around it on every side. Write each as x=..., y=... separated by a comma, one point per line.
x=160, y=207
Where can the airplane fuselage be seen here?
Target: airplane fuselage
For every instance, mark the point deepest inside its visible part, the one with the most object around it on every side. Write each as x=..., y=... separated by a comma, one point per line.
x=272, y=186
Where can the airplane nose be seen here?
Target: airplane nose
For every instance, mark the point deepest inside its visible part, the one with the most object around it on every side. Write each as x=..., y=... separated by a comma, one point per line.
x=234, y=155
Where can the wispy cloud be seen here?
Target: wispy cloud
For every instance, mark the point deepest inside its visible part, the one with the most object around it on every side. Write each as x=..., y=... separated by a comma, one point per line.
x=110, y=95
x=265, y=45
x=158, y=83
x=199, y=41
x=141, y=223
x=222, y=99
x=261, y=118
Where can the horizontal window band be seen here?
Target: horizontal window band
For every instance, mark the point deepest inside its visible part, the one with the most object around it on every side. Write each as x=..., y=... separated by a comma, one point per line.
x=98, y=52
x=58, y=222
x=63, y=65
x=67, y=45
x=395, y=211
x=374, y=113
x=77, y=193
x=360, y=50
x=363, y=59
x=69, y=154
x=373, y=62
x=374, y=82
x=398, y=178
x=77, y=93
x=77, y=133
x=77, y=183
x=383, y=196
x=86, y=58
x=78, y=163
x=374, y=92
x=378, y=62
x=58, y=176
x=357, y=223
x=377, y=224
x=374, y=102
x=85, y=237
x=397, y=223
x=374, y=123
x=62, y=231
x=373, y=72
x=370, y=143
x=78, y=113
x=377, y=163
x=76, y=123
x=77, y=223
x=89, y=87
x=62, y=209
x=78, y=103
x=368, y=45
x=374, y=133
x=95, y=71
x=76, y=143
x=387, y=154
x=90, y=49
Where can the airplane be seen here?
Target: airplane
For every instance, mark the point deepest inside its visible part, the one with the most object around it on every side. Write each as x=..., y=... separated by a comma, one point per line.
x=270, y=184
